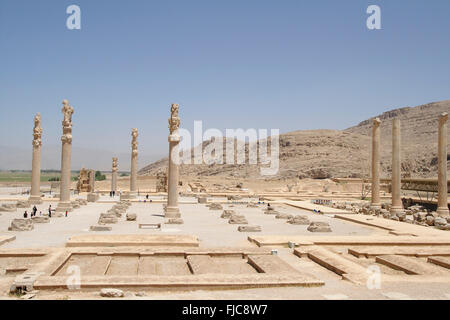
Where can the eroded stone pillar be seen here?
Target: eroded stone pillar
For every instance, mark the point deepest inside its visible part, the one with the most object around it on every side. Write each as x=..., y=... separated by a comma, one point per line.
x=66, y=155
x=375, y=203
x=35, y=194
x=442, y=209
x=397, y=205
x=134, y=163
x=114, y=175
x=172, y=210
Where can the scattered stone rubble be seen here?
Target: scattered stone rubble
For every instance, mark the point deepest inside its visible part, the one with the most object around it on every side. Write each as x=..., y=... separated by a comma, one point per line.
x=415, y=214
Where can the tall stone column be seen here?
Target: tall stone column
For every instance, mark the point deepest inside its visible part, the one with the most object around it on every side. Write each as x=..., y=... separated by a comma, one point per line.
x=376, y=204
x=35, y=194
x=397, y=205
x=442, y=209
x=134, y=164
x=114, y=175
x=172, y=210
x=66, y=154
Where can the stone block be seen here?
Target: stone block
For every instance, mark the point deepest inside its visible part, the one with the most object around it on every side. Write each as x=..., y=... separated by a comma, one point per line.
x=22, y=204
x=249, y=228
x=284, y=216
x=106, y=218
x=131, y=216
x=215, y=206
x=21, y=225
x=100, y=228
x=8, y=208
x=227, y=214
x=41, y=219
x=111, y=293
x=92, y=197
x=319, y=227
x=237, y=219
x=175, y=221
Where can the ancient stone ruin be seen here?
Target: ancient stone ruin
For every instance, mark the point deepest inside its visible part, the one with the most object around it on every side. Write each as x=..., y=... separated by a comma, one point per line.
x=86, y=180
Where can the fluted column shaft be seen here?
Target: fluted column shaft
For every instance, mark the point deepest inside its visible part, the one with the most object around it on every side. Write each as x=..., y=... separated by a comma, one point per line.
x=442, y=209
x=375, y=203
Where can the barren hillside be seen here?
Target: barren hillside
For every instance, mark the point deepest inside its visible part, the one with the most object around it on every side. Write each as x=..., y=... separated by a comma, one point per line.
x=334, y=153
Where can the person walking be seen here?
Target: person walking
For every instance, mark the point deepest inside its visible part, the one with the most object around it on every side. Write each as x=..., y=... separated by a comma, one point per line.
x=25, y=215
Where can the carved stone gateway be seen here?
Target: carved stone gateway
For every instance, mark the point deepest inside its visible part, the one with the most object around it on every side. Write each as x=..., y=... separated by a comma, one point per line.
x=161, y=182
x=35, y=194
x=172, y=210
x=66, y=153
x=86, y=180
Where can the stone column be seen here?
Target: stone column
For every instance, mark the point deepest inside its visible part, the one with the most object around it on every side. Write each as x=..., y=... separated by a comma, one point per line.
x=375, y=203
x=172, y=210
x=397, y=205
x=442, y=209
x=35, y=194
x=114, y=175
x=66, y=154
x=134, y=159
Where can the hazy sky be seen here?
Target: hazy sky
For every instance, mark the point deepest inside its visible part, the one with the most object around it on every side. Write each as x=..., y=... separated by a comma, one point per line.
x=287, y=64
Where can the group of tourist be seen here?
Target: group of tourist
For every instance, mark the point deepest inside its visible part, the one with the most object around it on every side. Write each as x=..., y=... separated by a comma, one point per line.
x=32, y=213
x=35, y=209
x=113, y=194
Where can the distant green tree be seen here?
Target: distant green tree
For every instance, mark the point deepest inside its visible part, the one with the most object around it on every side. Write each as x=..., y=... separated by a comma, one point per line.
x=99, y=176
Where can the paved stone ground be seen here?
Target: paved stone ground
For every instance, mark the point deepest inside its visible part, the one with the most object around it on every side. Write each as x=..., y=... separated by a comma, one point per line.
x=212, y=230
x=216, y=232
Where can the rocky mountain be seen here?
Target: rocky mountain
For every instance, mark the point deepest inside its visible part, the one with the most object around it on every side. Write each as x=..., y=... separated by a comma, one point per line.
x=334, y=153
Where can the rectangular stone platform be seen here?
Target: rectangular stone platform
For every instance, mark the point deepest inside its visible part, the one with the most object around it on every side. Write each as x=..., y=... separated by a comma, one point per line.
x=270, y=264
x=411, y=266
x=167, y=268
x=330, y=261
x=189, y=282
x=440, y=261
x=395, y=227
x=402, y=251
x=133, y=240
x=281, y=240
x=308, y=205
x=5, y=239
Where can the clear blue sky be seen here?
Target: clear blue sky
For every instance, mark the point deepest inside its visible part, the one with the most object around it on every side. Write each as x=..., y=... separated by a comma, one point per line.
x=287, y=64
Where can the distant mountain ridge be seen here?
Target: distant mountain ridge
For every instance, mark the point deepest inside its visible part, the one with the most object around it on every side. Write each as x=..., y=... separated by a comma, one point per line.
x=343, y=153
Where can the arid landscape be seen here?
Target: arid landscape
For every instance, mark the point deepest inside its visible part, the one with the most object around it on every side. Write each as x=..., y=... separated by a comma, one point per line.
x=320, y=154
